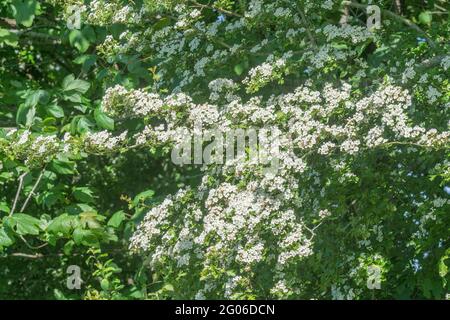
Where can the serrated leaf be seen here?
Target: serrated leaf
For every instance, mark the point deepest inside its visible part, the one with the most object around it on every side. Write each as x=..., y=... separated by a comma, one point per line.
x=24, y=224
x=63, y=224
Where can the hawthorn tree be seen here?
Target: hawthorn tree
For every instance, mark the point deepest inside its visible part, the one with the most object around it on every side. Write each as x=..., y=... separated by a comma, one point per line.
x=97, y=95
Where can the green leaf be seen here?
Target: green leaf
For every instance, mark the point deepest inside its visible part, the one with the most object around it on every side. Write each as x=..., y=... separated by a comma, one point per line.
x=37, y=97
x=83, y=194
x=55, y=110
x=238, y=69
x=425, y=17
x=77, y=208
x=22, y=112
x=168, y=287
x=72, y=97
x=63, y=224
x=11, y=39
x=4, y=207
x=85, y=237
x=104, y=284
x=135, y=293
x=59, y=295
x=50, y=198
x=89, y=33
x=24, y=224
x=5, y=239
x=142, y=196
x=91, y=219
x=103, y=120
x=87, y=61
x=30, y=116
x=78, y=40
x=443, y=268
x=84, y=125
x=24, y=11
x=116, y=219
x=68, y=247
x=71, y=84
x=63, y=166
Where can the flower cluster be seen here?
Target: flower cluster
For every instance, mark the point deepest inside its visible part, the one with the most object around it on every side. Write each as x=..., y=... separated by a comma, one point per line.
x=103, y=141
x=33, y=149
x=341, y=106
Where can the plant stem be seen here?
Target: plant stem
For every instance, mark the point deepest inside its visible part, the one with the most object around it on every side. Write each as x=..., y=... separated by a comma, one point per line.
x=19, y=188
x=32, y=190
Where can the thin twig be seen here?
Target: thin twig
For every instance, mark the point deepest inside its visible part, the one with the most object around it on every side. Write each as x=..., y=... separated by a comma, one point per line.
x=33, y=247
x=344, y=16
x=32, y=190
x=19, y=188
x=230, y=13
x=398, y=6
x=26, y=255
x=307, y=27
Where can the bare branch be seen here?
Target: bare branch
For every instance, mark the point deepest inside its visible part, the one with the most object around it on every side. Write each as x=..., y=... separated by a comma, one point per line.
x=230, y=13
x=19, y=188
x=26, y=255
x=32, y=191
x=307, y=27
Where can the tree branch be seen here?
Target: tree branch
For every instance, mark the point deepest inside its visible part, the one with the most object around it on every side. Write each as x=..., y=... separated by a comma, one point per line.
x=19, y=188
x=26, y=255
x=307, y=27
x=431, y=62
x=32, y=190
x=230, y=13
